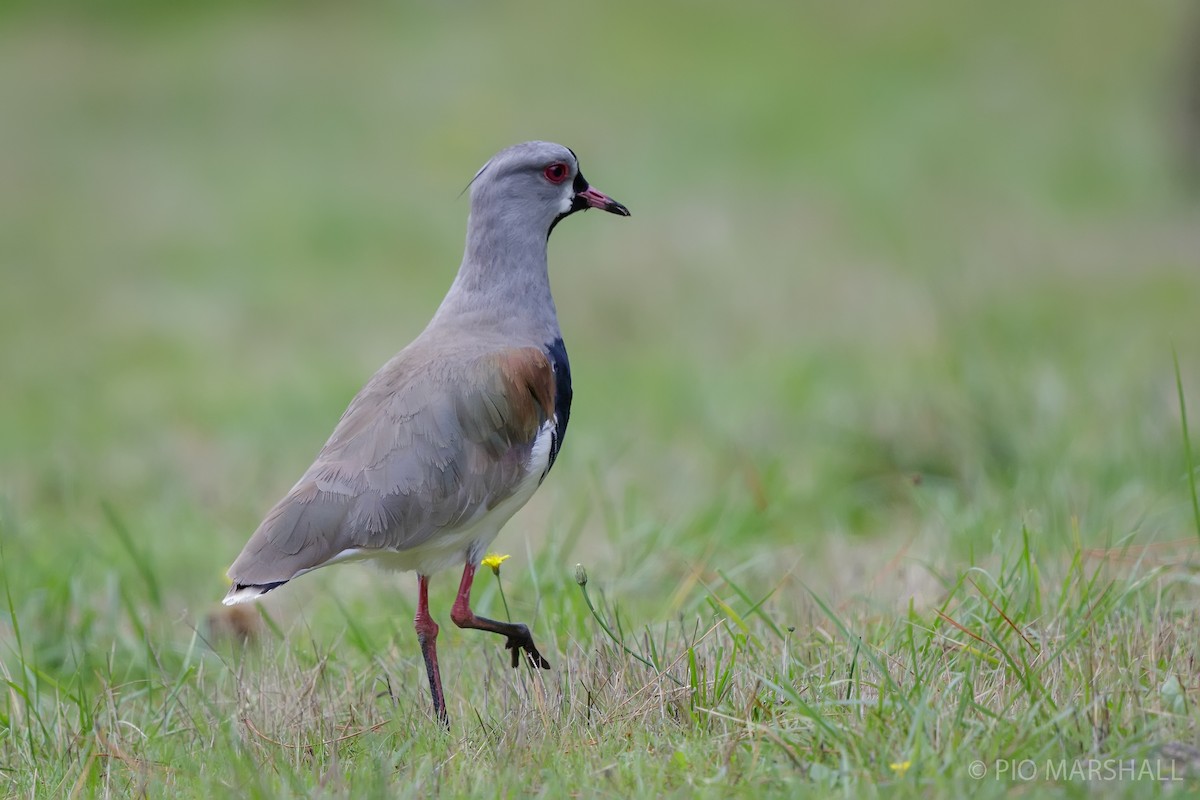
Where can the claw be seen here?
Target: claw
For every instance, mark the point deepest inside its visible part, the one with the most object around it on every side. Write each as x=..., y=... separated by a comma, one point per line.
x=524, y=641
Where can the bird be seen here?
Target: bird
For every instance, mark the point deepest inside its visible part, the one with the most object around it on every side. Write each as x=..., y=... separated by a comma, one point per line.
x=456, y=431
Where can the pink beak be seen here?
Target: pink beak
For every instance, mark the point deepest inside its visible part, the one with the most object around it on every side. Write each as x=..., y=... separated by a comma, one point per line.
x=597, y=199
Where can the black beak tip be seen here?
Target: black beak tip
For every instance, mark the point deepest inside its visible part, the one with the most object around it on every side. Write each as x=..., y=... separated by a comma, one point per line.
x=614, y=207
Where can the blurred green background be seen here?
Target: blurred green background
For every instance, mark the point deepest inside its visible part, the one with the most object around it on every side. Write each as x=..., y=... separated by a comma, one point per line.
x=901, y=278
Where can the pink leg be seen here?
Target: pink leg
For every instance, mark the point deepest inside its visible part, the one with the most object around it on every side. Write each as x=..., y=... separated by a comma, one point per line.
x=427, y=631
x=518, y=635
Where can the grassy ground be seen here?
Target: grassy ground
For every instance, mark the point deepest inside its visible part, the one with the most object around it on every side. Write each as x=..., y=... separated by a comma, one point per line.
x=875, y=466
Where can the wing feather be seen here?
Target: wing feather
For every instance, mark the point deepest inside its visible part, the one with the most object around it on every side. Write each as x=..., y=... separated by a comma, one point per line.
x=432, y=441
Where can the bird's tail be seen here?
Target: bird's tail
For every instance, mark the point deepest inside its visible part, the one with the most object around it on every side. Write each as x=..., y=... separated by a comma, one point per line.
x=248, y=592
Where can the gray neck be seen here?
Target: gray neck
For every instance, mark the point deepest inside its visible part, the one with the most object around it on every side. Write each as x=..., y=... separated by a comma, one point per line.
x=503, y=282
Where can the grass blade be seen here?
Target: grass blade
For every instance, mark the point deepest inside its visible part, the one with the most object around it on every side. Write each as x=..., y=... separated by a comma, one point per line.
x=1190, y=469
x=140, y=559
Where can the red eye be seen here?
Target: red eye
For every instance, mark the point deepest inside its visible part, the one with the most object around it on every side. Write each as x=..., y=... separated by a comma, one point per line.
x=557, y=172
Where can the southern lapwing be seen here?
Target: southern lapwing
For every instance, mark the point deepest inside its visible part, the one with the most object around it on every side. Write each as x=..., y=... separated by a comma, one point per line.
x=456, y=432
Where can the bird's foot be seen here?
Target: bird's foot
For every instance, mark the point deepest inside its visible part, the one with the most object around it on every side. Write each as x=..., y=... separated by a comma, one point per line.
x=523, y=640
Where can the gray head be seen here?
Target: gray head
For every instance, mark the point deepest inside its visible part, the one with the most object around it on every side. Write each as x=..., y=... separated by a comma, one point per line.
x=534, y=185
x=516, y=200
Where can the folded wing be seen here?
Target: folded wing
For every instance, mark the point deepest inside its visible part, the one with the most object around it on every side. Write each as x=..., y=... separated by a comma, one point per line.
x=430, y=444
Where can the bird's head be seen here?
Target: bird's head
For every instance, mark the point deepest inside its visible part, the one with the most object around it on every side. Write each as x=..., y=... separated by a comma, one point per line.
x=537, y=183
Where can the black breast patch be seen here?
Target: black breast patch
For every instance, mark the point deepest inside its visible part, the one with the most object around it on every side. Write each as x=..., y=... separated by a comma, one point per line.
x=557, y=353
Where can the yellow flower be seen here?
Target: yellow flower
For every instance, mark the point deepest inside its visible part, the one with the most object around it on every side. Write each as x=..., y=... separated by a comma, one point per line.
x=494, y=560
x=900, y=767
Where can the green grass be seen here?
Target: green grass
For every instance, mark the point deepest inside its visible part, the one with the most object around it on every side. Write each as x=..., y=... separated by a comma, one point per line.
x=876, y=458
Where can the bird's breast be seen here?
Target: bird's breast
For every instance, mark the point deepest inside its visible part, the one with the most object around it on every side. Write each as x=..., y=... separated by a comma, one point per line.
x=556, y=351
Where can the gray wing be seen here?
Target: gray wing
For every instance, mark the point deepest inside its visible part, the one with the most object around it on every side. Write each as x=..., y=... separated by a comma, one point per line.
x=430, y=442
